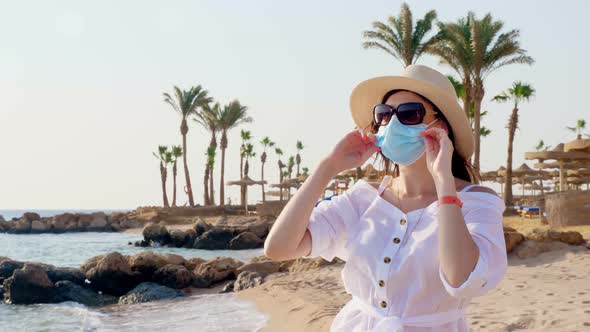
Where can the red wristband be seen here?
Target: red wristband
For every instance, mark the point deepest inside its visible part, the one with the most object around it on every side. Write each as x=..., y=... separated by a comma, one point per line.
x=450, y=200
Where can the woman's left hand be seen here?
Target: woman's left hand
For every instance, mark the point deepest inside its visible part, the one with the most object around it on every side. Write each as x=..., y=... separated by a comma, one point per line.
x=439, y=152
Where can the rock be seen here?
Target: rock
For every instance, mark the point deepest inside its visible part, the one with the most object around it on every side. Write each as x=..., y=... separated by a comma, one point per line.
x=214, y=239
x=178, y=237
x=147, y=292
x=509, y=229
x=201, y=227
x=31, y=216
x=61, y=221
x=216, y=269
x=306, y=264
x=22, y=226
x=247, y=280
x=193, y=263
x=5, y=226
x=245, y=240
x=2, y=218
x=156, y=233
x=40, y=226
x=191, y=235
x=174, y=276
x=229, y=287
x=8, y=266
x=112, y=275
x=512, y=239
x=92, y=262
x=571, y=237
x=259, y=228
x=263, y=268
x=531, y=248
x=29, y=285
x=146, y=263
x=98, y=222
x=174, y=259
x=73, y=227
x=84, y=220
x=73, y=275
x=3, y=258
x=69, y=291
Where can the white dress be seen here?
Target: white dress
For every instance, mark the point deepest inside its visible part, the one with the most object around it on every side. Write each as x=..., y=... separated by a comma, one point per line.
x=391, y=259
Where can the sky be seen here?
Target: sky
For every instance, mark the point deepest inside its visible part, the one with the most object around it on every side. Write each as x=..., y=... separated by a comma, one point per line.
x=81, y=84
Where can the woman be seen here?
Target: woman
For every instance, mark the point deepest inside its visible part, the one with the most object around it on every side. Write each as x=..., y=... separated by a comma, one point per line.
x=418, y=246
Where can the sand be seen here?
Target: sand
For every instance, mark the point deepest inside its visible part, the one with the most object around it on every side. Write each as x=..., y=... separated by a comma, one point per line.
x=549, y=292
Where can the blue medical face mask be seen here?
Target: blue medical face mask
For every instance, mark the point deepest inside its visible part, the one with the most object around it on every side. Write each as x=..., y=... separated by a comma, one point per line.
x=401, y=143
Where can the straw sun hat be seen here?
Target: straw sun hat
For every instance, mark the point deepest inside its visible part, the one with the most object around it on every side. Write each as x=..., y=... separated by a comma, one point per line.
x=425, y=81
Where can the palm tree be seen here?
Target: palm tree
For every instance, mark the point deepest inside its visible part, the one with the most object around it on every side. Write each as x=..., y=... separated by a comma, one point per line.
x=460, y=90
x=519, y=92
x=580, y=125
x=541, y=146
x=161, y=155
x=248, y=153
x=279, y=153
x=186, y=103
x=246, y=136
x=298, y=157
x=400, y=38
x=305, y=170
x=475, y=49
x=232, y=115
x=266, y=142
x=176, y=153
x=208, y=119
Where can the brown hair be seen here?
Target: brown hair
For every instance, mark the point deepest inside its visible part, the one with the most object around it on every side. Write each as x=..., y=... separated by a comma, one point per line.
x=460, y=167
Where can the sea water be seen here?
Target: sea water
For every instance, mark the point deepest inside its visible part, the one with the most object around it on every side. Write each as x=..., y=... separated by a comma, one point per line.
x=207, y=313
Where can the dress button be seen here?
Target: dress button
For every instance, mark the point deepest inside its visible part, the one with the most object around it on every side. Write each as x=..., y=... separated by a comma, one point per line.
x=402, y=221
x=383, y=304
x=387, y=259
x=396, y=240
x=381, y=283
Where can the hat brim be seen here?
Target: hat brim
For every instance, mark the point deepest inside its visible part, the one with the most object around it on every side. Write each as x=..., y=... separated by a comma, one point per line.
x=370, y=92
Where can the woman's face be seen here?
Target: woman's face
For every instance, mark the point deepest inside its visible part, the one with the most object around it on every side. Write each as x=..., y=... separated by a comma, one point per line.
x=410, y=97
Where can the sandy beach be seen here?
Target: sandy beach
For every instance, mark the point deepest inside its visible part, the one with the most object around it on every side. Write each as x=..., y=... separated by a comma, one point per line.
x=548, y=292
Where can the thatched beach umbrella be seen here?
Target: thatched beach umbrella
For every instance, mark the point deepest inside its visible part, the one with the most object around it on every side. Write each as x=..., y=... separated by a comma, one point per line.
x=244, y=183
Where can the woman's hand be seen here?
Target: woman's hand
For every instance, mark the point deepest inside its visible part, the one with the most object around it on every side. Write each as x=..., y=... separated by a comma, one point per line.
x=439, y=153
x=352, y=151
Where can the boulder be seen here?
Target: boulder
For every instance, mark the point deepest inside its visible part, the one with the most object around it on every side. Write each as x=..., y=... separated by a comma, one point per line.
x=73, y=227
x=8, y=266
x=229, y=287
x=174, y=259
x=193, y=263
x=98, y=222
x=259, y=228
x=571, y=237
x=512, y=239
x=191, y=235
x=509, y=229
x=545, y=235
x=156, y=233
x=22, y=226
x=214, y=239
x=178, y=237
x=263, y=268
x=149, y=291
x=146, y=263
x=84, y=220
x=70, y=274
x=215, y=270
x=5, y=226
x=29, y=285
x=89, y=264
x=112, y=275
x=245, y=240
x=31, y=216
x=2, y=218
x=69, y=291
x=247, y=280
x=174, y=276
x=40, y=226
x=531, y=248
x=201, y=227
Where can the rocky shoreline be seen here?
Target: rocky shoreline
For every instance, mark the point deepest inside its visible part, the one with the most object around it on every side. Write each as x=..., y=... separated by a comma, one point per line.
x=32, y=223
x=116, y=278
x=249, y=233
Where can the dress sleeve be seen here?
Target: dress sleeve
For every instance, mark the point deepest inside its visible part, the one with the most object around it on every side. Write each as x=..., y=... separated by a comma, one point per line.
x=330, y=226
x=484, y=222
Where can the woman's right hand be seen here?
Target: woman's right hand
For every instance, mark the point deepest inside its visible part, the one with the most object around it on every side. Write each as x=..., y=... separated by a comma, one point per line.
x=352, y=151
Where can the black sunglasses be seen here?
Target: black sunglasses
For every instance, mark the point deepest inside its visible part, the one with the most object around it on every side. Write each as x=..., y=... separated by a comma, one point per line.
x=407, y=113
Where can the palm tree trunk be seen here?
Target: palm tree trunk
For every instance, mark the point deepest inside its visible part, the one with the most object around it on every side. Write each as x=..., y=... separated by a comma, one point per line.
x=242, y=194
x=478, y=94
x=512, y=125
x=262, y=179
x=221, y=181
x=206, y=185
x=211, y=188
x=163, y=178
x=174, y=181
x=189, y=188
x=281, y=181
